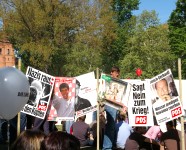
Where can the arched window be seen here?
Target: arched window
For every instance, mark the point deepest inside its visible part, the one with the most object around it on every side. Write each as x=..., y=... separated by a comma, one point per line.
x=8, y=52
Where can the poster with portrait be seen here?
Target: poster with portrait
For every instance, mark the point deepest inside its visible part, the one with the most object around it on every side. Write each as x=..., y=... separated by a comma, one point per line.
x=41, y=86
x=86, y=95
x=114, y=91
x=165, y=100
x=139, y=105
x=63, y=100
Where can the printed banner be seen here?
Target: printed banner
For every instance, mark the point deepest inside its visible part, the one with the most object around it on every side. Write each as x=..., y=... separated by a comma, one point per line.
x=41, y=86
x=86, y=95
x=139, y=105
x=114, y=91
x=63, y=101
x=165, y=100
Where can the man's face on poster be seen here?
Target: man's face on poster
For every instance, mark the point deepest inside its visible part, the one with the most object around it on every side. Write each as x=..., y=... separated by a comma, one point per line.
x=163, y=90
x=64, y=93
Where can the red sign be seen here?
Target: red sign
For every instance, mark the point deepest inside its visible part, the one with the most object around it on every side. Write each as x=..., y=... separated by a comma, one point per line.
x=42, y=107
x=176, y=112
x=141, y=120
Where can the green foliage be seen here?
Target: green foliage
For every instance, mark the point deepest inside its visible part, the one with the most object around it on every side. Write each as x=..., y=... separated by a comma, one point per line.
x=177, y=34
x=39, y=30
x=123, y=9
x=69, y=38
x=147, y=47
x=115, y=50
x=59, y=36
x=93, y=38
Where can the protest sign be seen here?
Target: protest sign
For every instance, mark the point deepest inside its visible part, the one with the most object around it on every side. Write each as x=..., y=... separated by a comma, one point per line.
x=86, y=95
x=165, y=99
x=62, y=105
x=41, y=86
x=114, y=91
x=139, y=105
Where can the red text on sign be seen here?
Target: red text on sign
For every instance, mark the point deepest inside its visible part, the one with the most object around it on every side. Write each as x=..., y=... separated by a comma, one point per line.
x=175, y=112
x=141, y=120
x=42, y=107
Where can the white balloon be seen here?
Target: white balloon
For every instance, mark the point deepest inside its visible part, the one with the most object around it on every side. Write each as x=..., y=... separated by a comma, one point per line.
x=14, y=92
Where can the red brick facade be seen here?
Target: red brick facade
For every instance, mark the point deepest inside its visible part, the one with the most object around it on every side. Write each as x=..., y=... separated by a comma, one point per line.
x=7, y=57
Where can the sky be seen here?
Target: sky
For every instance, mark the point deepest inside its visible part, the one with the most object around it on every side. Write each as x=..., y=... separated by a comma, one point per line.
x=162, y=7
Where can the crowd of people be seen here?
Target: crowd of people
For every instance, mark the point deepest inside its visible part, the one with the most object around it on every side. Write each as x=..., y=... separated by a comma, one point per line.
x=83, y=134
x=114, y=131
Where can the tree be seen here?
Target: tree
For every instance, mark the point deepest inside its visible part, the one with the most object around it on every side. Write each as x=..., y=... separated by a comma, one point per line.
x=58, y=37
x=116, y=50
x=123, y=10
x=40, y=30
x=177, y=34
x=95, y=27
x=147, y=47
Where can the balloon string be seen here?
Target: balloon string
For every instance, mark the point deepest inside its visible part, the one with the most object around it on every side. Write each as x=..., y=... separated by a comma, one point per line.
x=8, y=133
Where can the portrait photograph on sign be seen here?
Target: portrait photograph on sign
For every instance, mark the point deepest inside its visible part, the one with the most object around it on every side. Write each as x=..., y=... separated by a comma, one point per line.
x=86, y=95
x=63, y=101
x=41, y=87
x=163, y=87
x=165, y=100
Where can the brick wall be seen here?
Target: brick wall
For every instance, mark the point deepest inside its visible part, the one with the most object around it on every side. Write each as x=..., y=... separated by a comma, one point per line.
x=7, y=57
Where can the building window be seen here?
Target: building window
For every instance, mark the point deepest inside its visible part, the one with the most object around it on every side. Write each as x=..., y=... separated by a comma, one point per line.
x=0, y=51
x=8, y=52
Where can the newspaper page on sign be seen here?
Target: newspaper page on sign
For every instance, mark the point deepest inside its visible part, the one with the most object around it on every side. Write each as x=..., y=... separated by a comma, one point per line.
x=86, y=95
x=114, y=91
x=165, y=100
x=41, y=86
x=63, y=101
x=139, y=105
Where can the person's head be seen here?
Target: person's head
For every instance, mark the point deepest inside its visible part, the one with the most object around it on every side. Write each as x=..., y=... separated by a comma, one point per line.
x=82, y=118
x=77, y=87
x=171, y=124
x=121, y=116
x=64, y=89
x=162, y=89
x=60, y=140
x=115, y=72
x=29, y=140
x=140, y=130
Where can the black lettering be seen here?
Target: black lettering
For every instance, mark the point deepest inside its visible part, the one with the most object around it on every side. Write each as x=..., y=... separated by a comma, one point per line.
x=161, y=107
x=139, y=110
x=137, y=95
x=34, y=74
x=46, y=79
x=139, y=103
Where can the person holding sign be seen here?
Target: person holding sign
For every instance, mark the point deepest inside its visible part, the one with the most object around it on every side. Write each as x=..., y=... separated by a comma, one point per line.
x=64, y=106
x=109, y=135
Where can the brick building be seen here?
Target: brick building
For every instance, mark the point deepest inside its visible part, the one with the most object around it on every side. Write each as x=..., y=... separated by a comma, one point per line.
x=7, y=57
